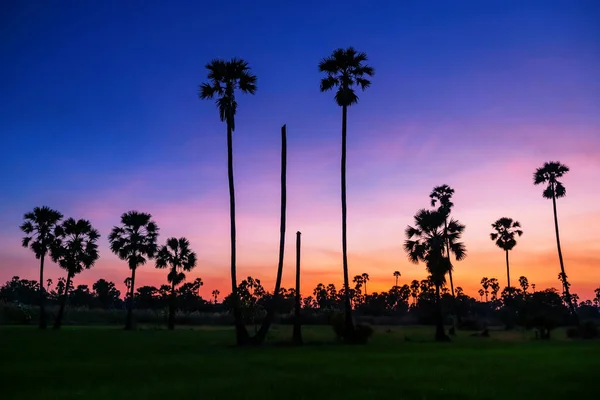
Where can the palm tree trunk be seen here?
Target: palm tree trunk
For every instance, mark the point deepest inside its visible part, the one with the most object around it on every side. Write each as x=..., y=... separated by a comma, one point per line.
x=440, y=334
x=172, y=307
x=562, y=264
x=264, y=329
x=63, y=302
x=507, y=269
x=348, y=307
x=396, y=282
x=448, y=253
x=297, y=336
x=241, y=332
x=43, y=324
x=129, y=322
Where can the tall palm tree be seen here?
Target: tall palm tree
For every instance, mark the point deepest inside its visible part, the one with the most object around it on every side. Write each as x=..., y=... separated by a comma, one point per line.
x=485, y=284
x=39, y=226
x=396, y=275
x=216, y=294
x=176, y=255
x=443, y=195
x=134, y=241
x=224, y=79
x=365, y=278
x=75, y=251
x=549, y=174
x=426, y=242
x=297, y=332
x=415, y=286
x=506, y=229
x=345, y=70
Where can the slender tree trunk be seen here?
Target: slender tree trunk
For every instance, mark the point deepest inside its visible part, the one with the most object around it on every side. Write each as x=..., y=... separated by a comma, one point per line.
x=396, y=282
x=448, y=253
x=507, y=269
x=440, y=334
x=63, y=302
x=172, y=307
x=241, y=332
x=562, y=264
x=348, y=306
x=264, y=329
x=297, y=337
x=42, y=297
x=129, y=322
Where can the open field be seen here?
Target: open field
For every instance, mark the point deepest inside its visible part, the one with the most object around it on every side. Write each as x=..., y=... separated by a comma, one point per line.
x=109, y=363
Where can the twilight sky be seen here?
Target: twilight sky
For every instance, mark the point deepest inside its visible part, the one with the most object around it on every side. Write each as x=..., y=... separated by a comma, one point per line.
x=99, y=115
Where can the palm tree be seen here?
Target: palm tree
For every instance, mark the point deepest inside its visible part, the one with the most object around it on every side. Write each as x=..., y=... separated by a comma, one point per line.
x=506, y=229
x=135, y=242
x=426, y=242
x=225, y=77
x=39, y=226
x=76, y=249
x=215, y=294
x=443, y=195
x=415, y=286
x=524, y=283
x=345, y=69
x=485, y=283
x=177, y=256
x=396, y=275
x=365, y=278
x=297, y=332
x=481, y=293
x=549, y=174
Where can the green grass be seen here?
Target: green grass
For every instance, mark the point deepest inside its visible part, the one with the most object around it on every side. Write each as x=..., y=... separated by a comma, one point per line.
x=109, y=363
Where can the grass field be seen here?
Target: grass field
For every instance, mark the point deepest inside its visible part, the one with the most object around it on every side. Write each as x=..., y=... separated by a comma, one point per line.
x=109, y=363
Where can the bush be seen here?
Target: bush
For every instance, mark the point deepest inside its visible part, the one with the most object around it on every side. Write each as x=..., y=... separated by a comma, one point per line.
x=587, y=330
x=362, y=333
x=471, y=324
x=14, y=313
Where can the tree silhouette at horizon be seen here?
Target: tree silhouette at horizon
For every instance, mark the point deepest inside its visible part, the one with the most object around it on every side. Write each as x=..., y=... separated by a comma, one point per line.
x=504, y=237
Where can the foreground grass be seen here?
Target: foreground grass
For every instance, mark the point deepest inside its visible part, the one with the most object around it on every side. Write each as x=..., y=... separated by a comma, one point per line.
x=109, y=363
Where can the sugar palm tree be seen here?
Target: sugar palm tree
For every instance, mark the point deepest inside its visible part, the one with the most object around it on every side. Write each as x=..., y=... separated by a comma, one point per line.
x=396, y=275
x=76, y=250
x=549, y=174
x=215, y=294
x=485, y=284
x=224, y=79
x=443, y=195
x=39, y=226
x=134, y=241
x=365, y=278
x=504, y=236
x=425, y=242
x=345, y=70
x=176, y=255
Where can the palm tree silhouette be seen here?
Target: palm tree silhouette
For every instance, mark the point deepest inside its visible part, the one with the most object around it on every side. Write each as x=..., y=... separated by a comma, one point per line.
x=524, y=283
x=443, y=195
x=225, y=77
x=178, y=256
x=365, y=278
x=426, y=243
x=415, y=286
x=549, y=174
x=215, y=294
x=134, y=241
x=39, y=226
x=481, y=293
x=485, y=283
x=76, y=249
x=396, y=275
x=345, y=69
x=506, y=229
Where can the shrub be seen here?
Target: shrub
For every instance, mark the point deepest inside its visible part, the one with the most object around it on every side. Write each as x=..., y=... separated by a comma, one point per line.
x=587, y=330
x=14, y=313
x=471, y=324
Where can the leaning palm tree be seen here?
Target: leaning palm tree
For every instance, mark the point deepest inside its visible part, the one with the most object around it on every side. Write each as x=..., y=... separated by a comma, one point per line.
x=396, y=275
x=224, y=78
x=443, y=195
x=549, y=174
x=177, y=256
x=506, y=229
x=345, y=69
x=39, y=226
x=426, y=243
x=134, y=241
x=76, y=251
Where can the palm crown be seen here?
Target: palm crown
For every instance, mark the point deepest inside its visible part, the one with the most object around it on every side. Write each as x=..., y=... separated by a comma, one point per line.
x=345, y=69
x=443, y=195
x=506, y=229
x=135, y=240
x=177, y=255
x=76, y=248
x=39, y=226
x=224, y=78
x=549, y=174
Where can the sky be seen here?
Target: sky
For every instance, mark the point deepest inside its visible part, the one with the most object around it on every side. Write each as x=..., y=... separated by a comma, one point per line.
x=99, y=115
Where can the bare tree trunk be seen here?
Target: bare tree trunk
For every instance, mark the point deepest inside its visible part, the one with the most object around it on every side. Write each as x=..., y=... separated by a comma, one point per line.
x=349, y=324
x=63, y=302
x=440, y=334
x=129, y=322
x=507, y=269
x=448, y=253
x=42, y=324
x=172, y=306
x=297, y=336
x=264, y=329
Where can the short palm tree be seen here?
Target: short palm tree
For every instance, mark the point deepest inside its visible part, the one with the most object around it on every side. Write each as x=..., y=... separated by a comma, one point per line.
x=177, y=256
x=425, y=242
x=443, y=195
x=39, y=226
x=134, y=241
x=549, y=174
x=504, y=236
x=224, y=79
x=76, y=250
x=345, y=70
x=396, y=275
x=215, y=294
x=365, y=278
